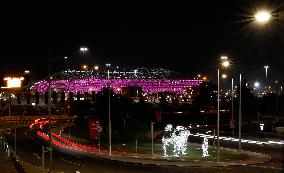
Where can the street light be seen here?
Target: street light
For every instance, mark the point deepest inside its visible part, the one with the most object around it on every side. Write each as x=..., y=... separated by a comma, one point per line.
x=83, y=50
x=49, y=110
x=223, y=58
x=240, y=114
x=96, y=67
x=109, y=120
x=224, y=63
x=262, y=17
x=232, y=100
x=266, y=72
x=224, y=76
x=256, y=84
x=84, y=67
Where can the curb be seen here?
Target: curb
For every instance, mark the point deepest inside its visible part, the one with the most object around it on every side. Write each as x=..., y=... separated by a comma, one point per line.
x=140, y=161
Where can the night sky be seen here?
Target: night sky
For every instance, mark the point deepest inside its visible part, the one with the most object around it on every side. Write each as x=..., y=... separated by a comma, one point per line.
x=185, y=37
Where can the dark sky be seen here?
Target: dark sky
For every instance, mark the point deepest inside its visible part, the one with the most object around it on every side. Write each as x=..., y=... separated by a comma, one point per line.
x=186, y=37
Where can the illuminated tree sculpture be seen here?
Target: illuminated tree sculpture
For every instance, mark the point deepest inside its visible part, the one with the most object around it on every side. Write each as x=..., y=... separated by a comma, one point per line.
x=176, y=137
x=205, y=147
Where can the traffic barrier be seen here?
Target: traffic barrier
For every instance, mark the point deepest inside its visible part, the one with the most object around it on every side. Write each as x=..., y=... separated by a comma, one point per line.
x=11, y=154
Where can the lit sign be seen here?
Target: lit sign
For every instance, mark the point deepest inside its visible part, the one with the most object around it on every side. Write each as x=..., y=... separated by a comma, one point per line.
x=261, y=126
x=13, y=82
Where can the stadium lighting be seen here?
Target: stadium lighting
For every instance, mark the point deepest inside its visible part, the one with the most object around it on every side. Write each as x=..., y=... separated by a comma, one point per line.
x=83, y=50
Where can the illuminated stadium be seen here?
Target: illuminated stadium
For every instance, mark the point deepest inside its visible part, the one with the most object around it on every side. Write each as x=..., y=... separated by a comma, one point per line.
x=150, y=80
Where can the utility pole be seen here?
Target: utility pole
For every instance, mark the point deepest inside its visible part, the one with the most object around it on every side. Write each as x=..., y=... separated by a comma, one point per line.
x=218, y=116
x=49, y=115
x=152, y=137
x=9, y=93
x=240, y=114
x=42, y=158
x=276, y=102
x=233, y=125
x=109, y=120
x=16, y=141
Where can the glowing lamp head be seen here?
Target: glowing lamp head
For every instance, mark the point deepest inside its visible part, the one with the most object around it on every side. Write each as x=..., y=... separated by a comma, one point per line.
x=96, y=67
x=262, y=17
x=225, y=64
x=83, y=49
x=256, y=84
x=84, y=66
x=266, y=66
x=224, y=76
x=224, y=58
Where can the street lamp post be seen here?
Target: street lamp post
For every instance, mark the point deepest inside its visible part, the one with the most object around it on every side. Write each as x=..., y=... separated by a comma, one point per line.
x=109, y=120
x=84, y=50
x=16, y=141
x=224, y=63
x=49, y=111
x=49, y=115
x=152, y=137
x=266, y=73
x=232, y=99
x=218, y=116
x=240, y=113
x=65, y=63
x=42, y=158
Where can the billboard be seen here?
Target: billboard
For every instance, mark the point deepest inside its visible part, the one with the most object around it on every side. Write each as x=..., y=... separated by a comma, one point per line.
x=13, y=82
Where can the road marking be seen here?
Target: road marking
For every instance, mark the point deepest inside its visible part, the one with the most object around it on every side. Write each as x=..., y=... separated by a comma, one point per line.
x=37, y=156
x=67, y=161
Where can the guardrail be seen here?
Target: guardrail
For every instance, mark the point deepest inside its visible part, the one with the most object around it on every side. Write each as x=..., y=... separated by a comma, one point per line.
x=11, y=154
x=24, y=119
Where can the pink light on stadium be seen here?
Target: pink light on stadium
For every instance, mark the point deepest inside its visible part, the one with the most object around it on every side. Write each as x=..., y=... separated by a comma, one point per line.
x=94, y=84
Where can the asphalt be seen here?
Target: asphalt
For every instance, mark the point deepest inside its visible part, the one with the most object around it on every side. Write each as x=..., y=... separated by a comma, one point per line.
x=142, y=159
x=6, y=165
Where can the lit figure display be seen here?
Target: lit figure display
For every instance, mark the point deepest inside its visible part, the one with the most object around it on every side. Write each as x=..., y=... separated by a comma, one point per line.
x=205, y=147
x=177, y=137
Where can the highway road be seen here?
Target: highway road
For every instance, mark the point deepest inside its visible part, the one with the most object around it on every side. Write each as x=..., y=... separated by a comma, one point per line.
x=29, y=151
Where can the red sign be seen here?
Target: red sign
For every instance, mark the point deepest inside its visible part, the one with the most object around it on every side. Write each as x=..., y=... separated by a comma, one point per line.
x=158, y=116
x=94, y=128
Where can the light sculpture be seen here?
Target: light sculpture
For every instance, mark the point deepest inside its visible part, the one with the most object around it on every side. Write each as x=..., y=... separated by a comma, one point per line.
x=205, y=147
x=178, y=138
